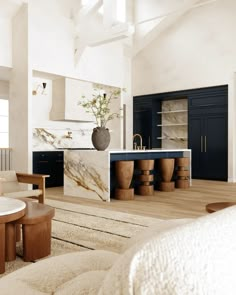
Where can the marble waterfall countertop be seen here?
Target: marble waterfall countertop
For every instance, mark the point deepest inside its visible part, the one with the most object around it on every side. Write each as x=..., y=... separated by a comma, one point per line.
x=87, y=172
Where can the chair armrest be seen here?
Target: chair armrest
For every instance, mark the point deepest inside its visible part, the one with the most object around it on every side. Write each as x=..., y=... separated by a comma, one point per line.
x=37, y=179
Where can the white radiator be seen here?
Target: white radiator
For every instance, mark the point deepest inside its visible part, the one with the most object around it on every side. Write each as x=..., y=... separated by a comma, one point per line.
x=5, y=159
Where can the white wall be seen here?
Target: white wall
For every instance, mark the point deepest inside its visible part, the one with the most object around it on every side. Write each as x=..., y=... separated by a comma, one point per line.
x=4, y=89
x=20, y=119
x=197, y=51
x=6, y=42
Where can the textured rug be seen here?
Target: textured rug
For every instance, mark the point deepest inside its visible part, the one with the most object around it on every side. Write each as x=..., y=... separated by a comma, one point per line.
x=81, y=228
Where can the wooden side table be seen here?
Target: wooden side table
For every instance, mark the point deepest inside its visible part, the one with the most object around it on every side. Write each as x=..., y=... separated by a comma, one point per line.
x=213, y=207
x=36, y=227
x=10, y=210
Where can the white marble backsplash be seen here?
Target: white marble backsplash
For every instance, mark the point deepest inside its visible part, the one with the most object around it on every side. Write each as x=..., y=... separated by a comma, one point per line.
x=176, y=134
x=51, y=139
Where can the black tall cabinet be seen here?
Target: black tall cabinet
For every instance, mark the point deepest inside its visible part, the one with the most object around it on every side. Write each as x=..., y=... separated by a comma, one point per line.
x=208, y=134
x=207, y=127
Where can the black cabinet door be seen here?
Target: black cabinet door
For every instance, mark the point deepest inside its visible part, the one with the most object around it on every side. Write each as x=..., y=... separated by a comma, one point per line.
x=209, y=143
x=195, y=139
x=216, y=146
x=51, y=163
x=143, y=126
x=142, y=119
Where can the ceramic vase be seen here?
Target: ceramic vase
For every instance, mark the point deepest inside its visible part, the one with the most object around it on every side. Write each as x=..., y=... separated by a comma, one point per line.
x=101, y=138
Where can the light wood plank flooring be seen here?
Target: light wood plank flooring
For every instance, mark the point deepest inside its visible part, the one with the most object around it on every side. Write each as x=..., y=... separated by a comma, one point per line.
x=178, y=204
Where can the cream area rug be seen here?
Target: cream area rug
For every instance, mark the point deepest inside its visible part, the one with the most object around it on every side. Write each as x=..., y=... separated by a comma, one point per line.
x=82, y=228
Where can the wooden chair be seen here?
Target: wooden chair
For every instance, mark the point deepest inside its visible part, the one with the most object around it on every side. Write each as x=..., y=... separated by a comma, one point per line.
x=10, y=185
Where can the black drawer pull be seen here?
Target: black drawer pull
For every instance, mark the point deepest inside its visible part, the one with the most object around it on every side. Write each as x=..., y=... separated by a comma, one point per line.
x=43, y=161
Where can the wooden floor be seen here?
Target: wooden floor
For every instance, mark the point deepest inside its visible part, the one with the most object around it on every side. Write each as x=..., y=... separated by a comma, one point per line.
x=178, y=204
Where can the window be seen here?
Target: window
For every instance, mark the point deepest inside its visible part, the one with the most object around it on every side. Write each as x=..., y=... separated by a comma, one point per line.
x=4, y=123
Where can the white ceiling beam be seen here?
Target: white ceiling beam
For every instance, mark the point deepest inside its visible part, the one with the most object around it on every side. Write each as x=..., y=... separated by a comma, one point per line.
x=118, y=32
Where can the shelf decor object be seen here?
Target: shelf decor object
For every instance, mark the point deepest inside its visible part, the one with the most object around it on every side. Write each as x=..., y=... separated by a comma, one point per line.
x=146, y=187
x=166, y=167
x=182, y=172
x=124, y=174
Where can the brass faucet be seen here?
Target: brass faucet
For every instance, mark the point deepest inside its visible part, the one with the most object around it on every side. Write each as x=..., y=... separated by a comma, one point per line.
x=141, y=141
x=69, y=135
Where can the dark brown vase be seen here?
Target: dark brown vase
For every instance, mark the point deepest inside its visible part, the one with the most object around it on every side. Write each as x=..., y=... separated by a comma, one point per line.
x=101, y=138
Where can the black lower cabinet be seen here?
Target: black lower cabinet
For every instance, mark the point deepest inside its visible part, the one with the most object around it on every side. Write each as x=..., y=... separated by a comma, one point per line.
x=208, y=140
x=51, y=163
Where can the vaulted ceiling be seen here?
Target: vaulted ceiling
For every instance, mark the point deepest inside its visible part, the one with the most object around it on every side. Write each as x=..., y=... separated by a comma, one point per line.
x=135, y=22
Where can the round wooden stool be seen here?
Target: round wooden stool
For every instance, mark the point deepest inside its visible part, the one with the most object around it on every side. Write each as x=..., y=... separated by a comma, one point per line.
x=213, y=207
x=182, y=172
x=146, y=187
x=166, y=167
x=124, y=174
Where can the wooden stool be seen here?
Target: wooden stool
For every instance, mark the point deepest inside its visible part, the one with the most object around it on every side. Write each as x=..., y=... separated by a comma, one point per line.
x=166, y=167
x=124, y=175
x=214, y=207
x=36, y=228
x=145, y=188
x=182, y=173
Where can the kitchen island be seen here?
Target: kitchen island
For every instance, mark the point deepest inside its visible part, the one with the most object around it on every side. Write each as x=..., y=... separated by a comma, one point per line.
x=90, y=173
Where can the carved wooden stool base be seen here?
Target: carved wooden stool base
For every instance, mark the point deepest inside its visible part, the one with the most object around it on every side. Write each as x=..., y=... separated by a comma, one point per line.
x=166, y=167
x=124, y=194
x=182, y=183
x=182, y=173
x=146, y=187
x=146, y=190
x=167, y=186
x=124, y=174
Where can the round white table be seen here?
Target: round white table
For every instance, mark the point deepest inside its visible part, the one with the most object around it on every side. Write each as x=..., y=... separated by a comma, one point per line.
x=10, y=210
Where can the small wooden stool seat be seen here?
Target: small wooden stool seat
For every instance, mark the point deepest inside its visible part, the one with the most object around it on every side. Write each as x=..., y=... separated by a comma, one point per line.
x=36, y=228
x=214, y=207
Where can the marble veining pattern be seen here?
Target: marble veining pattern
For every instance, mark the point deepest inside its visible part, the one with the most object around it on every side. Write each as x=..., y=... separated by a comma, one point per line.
x=174, y=135
x=51, y=139
x=87, y=174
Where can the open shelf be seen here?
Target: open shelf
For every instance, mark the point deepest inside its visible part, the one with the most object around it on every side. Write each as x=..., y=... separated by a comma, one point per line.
x=171, y=138
x=177, y=124
x=174, y=111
